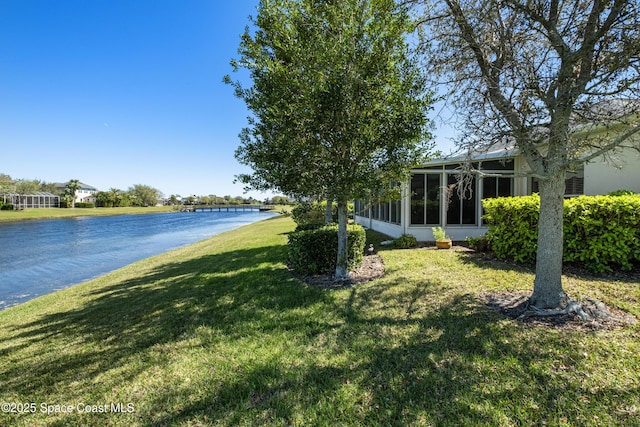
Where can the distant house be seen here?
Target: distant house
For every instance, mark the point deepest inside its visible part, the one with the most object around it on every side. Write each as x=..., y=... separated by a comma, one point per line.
x=85, y=194
x=430, y=198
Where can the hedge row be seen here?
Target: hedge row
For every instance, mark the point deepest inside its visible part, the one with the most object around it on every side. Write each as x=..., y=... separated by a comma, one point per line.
x=600, y=232
x=316, y=251
x=85, y=205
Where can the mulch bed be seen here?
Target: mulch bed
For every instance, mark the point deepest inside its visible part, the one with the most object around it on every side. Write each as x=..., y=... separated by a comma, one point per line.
x=372, y=268
x=515, y=306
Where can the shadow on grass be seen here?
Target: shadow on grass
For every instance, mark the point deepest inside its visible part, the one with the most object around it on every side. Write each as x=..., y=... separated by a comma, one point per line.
x=487, y=260
x=234, y=293
x=484, y=260
x=456, y=365
x=383, y=353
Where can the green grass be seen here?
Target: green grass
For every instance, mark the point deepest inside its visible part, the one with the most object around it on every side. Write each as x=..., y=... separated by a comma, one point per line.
x=49, y=213
x=220, y=333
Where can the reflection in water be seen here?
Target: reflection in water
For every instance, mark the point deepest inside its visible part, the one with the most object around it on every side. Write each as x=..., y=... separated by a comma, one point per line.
x=39, y=257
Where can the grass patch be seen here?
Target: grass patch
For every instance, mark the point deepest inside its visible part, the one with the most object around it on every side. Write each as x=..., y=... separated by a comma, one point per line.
x=220, y=332
x=51, y=213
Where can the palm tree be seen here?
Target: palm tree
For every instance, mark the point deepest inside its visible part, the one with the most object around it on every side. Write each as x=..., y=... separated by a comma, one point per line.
x=72, y=189
x=115, y=196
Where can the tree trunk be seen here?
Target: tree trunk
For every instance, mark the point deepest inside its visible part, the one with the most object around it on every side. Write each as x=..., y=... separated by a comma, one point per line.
x=342, y=268
x=547, y=286
x=328, y=212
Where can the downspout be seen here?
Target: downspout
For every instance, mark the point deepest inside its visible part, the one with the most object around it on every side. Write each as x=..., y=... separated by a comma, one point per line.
x=405, y=207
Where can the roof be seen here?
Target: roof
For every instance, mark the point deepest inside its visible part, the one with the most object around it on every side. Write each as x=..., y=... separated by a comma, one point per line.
x=494, y=152
x=36, y=193
x=82, y=185
x=608, y=109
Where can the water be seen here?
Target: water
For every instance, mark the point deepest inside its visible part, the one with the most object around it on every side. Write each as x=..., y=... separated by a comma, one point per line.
x=41, y=256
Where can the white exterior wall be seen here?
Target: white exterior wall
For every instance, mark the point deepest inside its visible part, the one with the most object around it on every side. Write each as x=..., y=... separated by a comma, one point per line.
x=620, y=172
x=392, y=230
x=521, y=184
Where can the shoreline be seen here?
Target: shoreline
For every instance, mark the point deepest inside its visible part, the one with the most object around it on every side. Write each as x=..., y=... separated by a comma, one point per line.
x=62, y=213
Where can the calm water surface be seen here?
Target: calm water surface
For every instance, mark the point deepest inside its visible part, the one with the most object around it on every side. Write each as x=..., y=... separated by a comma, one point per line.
x=41, y=256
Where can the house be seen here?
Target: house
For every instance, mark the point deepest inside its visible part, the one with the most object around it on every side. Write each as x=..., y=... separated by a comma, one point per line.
x=431, y=198
x=84, y=194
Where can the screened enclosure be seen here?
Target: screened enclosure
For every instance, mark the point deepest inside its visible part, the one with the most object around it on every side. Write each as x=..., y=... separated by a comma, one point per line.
x=36, y=200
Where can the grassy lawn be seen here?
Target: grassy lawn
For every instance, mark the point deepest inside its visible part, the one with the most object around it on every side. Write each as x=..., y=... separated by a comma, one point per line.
x=220, y=333
x=48, y=213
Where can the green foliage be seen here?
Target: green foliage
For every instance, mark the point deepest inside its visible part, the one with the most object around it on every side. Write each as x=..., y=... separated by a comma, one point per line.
x=621, y=193
x=480, y=244
x=6, y=207
x=602, y=231
x=310, y=226
x=70, y=192
x=513, y=226
x=316, y=251
x=406, y=241
x=599, y=231
x=309, y=215
x=439, y=233
x=320, y=128
x=143, y=195
x=85, y=205
x=338, y=105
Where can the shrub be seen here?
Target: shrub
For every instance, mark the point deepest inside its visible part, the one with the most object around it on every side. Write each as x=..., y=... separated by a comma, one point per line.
x=316, y=251
x=599, y=231
x=602, y=231
x=406, y=241
x=310, y=226
x=480, y=244
x=439, y=233
x=621, y=193
x=308, y=213
x=7, y=207
x=85, y=205
x=513, y=226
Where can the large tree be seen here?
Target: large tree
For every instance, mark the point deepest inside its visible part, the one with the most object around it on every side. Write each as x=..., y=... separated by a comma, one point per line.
x=144, y=195
x=559, y=79
x=337, y=105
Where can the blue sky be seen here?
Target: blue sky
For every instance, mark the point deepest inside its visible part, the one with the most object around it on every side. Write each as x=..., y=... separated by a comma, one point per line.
x=116, y=93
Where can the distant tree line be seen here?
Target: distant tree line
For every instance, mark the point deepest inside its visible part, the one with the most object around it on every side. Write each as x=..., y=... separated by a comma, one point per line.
x=24, y=186
x=214, y=200
x=136, y=195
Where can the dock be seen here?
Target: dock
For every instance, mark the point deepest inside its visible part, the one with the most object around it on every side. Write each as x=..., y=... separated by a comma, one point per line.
x=227, y=208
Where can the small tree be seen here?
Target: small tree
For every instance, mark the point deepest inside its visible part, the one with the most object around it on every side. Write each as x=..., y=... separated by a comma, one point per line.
x=337, y=105
x=6, y=184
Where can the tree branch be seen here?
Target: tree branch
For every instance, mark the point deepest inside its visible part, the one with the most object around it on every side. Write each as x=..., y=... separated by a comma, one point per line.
x=614, y=144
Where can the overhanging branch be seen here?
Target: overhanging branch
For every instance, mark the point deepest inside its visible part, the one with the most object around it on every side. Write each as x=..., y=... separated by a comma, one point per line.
x=614, y=144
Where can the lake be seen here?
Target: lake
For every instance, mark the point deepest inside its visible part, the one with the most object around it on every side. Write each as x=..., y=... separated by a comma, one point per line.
x=42, y=256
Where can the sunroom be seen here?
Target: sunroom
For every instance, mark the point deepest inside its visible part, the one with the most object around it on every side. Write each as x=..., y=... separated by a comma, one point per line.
x=435, y=197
